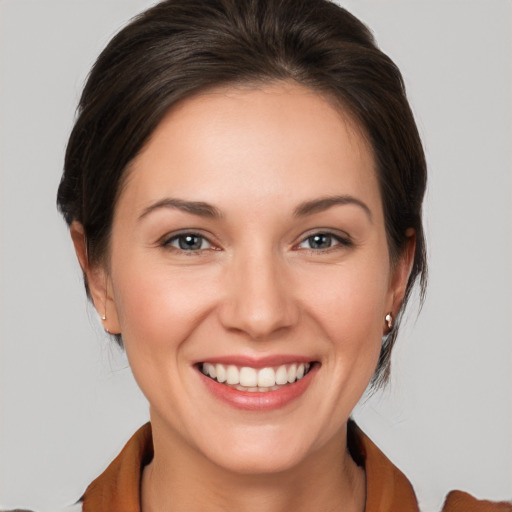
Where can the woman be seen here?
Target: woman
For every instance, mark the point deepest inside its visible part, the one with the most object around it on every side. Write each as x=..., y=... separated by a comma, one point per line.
x=246, y=203
x=243, y=187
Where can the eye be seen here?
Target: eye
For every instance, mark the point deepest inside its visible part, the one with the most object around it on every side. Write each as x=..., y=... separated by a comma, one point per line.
x=323, y=241
x=188, y=242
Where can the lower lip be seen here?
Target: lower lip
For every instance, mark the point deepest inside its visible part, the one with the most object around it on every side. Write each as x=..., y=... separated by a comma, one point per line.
x=259, y=400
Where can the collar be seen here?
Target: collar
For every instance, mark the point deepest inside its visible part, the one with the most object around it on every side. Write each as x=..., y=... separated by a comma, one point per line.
x=118, y=487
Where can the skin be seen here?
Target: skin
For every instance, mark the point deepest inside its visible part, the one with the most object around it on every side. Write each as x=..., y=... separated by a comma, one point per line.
x=257, y=286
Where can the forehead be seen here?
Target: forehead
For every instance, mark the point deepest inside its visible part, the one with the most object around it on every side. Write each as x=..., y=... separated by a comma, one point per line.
x=253, y=143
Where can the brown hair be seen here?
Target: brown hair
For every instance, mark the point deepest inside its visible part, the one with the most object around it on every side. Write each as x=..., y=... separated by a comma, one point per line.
x=180, y=47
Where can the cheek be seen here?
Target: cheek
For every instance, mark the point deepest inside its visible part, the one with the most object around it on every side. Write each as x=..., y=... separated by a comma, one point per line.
x=348, y=302
x=158, y=306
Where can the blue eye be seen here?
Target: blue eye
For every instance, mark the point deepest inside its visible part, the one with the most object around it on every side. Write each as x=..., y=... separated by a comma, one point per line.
x=189, y=242
x=322, y=241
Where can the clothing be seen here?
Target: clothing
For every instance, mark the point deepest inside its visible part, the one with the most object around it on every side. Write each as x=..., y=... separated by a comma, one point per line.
x=387, y=488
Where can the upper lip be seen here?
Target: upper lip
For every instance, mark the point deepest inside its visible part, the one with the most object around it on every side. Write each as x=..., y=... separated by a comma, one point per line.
x=257, y=362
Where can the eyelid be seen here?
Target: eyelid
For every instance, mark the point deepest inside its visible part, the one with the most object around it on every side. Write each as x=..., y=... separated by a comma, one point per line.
x=343, y=239
x=165, y=241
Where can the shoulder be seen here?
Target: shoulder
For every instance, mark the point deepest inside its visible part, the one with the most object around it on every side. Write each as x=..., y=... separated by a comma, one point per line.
x=388, y=489
x=459, y=501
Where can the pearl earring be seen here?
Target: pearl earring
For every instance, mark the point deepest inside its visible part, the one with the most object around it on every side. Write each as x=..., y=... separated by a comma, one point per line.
x=389, y=321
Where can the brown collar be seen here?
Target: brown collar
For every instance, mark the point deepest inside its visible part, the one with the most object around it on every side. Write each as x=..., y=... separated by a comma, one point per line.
x=118, y=487
x=387, y=488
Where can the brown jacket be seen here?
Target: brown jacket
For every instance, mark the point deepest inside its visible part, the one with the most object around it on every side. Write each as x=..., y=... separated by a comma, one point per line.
x=387, y=489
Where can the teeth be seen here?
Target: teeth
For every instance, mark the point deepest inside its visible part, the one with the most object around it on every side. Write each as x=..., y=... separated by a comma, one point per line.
x=221, y=373
x=210, y=370
x=266, y=378
x=292, y=373
x=256, y=380
x=248, y=377
x=282, y=375
x=232, y=375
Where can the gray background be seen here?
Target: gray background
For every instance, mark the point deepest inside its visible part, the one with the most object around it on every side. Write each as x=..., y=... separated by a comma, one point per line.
x=68, y=400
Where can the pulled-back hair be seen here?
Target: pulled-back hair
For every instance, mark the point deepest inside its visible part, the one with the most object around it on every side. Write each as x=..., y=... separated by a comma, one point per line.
x=180, y=47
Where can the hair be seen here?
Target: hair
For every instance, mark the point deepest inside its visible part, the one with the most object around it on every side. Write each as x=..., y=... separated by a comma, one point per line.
x=180, y=47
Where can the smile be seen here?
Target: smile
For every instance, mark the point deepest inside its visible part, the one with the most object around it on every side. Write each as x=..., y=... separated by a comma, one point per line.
x=248, y=379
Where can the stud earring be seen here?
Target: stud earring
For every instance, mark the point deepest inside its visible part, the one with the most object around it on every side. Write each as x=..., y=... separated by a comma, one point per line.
x=103, y=318
x=389, y=321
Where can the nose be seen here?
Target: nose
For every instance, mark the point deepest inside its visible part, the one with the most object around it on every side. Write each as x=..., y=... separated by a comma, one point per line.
x=259, y=300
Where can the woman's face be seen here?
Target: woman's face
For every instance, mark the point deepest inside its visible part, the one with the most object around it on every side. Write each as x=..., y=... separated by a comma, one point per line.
x=249, y=241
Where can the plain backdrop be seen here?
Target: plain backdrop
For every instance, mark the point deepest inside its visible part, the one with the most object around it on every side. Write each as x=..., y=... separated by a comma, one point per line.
x=68, y=400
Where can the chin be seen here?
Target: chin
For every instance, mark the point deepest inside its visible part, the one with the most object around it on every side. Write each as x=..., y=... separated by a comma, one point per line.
x=258, y=461
x=260, y=451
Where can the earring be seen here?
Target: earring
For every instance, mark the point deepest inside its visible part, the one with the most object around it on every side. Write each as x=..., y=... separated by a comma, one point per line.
x=103, y=318
x=389, y=321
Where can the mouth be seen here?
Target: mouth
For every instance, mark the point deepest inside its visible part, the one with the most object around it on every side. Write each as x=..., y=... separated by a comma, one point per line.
x=256, y=380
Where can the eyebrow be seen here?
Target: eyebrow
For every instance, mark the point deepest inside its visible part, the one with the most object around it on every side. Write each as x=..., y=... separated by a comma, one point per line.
x=324, y=203
x=207, y=210
x=195, y=207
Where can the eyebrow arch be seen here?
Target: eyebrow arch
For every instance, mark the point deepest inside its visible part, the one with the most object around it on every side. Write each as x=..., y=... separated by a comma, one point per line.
x=324, y=203
x=195, y=207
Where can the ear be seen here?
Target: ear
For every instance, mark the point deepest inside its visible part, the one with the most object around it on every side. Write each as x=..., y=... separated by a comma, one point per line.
x=98, y=281
x=401, y=272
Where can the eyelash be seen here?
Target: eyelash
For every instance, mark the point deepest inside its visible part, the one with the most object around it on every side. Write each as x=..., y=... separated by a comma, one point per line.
x=339, y=242
x=180, y=237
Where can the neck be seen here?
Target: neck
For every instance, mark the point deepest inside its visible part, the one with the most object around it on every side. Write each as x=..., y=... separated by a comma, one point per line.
x=180, y=479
